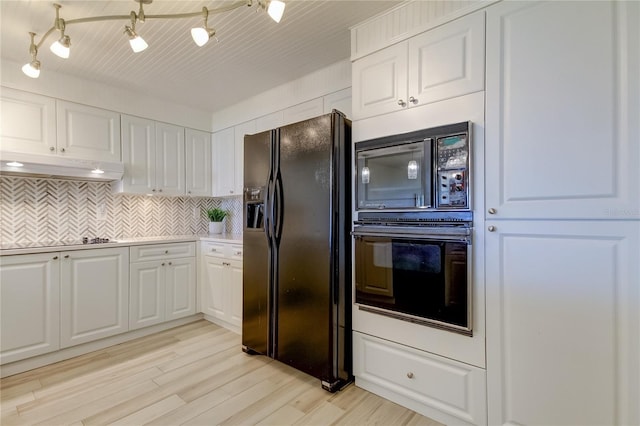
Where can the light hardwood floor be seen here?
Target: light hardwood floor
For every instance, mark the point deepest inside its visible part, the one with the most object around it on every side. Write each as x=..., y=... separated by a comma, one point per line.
x=196, y=375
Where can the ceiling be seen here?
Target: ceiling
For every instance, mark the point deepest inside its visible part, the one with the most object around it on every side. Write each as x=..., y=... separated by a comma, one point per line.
x=253, y=53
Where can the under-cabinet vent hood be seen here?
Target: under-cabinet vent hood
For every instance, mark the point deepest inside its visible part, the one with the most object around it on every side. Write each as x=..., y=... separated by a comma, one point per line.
x=59, y=167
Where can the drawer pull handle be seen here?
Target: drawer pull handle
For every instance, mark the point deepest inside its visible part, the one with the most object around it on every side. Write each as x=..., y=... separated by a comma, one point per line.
x=214, y=250
x=55, y=257
x=410, y=375
x=66, y=256
x=238, y=253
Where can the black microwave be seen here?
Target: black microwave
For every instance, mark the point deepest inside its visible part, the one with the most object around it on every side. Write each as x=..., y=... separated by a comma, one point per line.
x=427, y=169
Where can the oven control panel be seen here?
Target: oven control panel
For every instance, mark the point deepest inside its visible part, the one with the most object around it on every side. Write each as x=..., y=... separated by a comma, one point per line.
x=452, y=166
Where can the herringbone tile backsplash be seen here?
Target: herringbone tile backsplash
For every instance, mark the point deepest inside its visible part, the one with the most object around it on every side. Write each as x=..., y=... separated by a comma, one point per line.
x=49, y=211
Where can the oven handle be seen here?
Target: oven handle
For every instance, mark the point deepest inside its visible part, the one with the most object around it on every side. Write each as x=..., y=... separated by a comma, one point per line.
x=462, y=234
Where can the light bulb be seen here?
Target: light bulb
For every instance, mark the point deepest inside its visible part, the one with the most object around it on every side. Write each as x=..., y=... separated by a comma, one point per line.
x=61, y=47
x=32, y=69
x=138, y=44
x=200, y=36
x=275, y=9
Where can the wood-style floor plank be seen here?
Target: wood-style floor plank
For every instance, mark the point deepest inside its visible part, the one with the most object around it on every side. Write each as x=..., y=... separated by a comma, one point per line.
x=195, y=374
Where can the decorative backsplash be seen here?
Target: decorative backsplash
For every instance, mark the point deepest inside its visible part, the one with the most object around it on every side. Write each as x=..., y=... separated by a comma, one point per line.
x=50, y=211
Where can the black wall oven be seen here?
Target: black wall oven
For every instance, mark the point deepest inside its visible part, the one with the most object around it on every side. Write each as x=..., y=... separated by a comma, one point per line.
x=415, y=266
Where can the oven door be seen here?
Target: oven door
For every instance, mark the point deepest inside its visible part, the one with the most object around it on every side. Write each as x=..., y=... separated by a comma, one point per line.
x=415, y=274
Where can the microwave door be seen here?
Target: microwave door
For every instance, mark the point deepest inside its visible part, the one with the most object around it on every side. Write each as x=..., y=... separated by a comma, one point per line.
x=393, y=177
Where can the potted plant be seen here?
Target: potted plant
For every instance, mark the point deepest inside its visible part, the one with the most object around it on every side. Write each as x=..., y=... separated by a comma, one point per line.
x=216, y=217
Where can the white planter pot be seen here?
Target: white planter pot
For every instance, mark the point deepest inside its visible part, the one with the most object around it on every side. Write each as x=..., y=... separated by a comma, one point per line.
x=216, y=227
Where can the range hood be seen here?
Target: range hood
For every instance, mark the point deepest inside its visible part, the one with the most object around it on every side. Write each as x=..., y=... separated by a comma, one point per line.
x=46, y=166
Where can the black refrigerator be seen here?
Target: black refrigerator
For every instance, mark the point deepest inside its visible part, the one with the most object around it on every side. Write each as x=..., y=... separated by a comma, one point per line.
x=297, y=248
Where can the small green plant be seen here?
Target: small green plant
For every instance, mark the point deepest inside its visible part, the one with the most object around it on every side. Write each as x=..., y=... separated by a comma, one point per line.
x=216, y=214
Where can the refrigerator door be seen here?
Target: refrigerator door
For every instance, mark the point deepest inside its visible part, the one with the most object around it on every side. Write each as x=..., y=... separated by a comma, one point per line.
x=304, y=301
x=256, y=269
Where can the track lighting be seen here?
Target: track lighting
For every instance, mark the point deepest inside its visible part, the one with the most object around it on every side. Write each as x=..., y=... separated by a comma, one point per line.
x=60, y=47
x=32, y=69
x=200, y=35
x=137, y=43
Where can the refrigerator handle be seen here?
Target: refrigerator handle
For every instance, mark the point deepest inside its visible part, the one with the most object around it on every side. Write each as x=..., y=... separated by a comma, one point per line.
x=278, y=210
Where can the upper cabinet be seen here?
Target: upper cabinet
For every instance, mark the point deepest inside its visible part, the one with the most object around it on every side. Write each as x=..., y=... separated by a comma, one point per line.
x=87, y=132
x=39, y=125
x=228, y=159
x=153, y=155
x=198, y=163
x=562, y=108
x=27, y=122
x=303, y=111
x=442, y=63
x=340, y=100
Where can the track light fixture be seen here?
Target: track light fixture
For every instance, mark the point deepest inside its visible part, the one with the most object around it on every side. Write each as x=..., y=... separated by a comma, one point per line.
x=201, y=35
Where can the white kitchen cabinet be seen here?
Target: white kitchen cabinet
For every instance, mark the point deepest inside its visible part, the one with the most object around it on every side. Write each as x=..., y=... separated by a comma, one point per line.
x=87, y=132
x=163, y=283
x=562, y=134
x=445, y=62
x=270, y=121
x=224, y=163
x=221, y=284
x=30, y=305
x=153, y=156
x=246, y=128
x=198, y=163
x=27, y=122
x=446, y=390
x=94, y=294
x=228, y=159
x=562, y=322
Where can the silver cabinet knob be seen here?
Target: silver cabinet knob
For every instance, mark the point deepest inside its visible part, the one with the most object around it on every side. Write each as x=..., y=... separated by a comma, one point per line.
x=492, y=211
x=62, y=150
x=410, y=375
x=214, y=250
x=230, y=191
x=166, y=252
x=51, y=149
x=153, y=190
x=402, y=103
x=162, y=264
x=66, y=256
x=159, y=190
x=170, y=263
x=55, y=257
x=188, y=192
x=491, y=228
x=413, y=100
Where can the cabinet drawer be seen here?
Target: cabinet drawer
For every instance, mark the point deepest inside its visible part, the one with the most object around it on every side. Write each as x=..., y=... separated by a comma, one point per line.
x=434, y=382
x=235, y=252
x=214, y=249
x=162, y=251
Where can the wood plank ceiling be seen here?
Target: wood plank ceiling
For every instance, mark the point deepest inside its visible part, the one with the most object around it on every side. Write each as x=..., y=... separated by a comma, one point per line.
x=253, y=53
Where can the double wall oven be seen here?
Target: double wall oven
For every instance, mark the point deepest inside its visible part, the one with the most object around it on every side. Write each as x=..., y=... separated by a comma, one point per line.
x=413, y=227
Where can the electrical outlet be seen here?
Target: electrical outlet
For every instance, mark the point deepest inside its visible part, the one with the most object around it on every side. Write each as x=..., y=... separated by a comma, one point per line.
x=101, y=212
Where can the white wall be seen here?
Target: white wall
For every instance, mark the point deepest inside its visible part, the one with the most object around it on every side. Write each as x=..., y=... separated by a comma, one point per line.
x=84, y=91
x=319, y=83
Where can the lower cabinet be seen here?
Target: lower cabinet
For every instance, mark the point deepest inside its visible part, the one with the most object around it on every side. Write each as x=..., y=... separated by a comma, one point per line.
x=29, y=305
x=94, y=296
x=443, y=389
x=221, y=284
x=162, y=289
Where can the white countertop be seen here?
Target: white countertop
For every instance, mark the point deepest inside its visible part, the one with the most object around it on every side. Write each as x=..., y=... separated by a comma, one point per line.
x=31, y=248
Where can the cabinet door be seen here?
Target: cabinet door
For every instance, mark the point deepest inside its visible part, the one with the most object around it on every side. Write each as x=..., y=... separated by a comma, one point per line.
x=170, y=174
x=247, y=128
x=27, y=122
x=223, y=162
x=87, y=132
x=198, y=163
x=147, y=294
x=213, y=295
x=447, y=61
x=303, y=111
x=94, y=294
x=562, y=96
x=235, y=293
x=180, y=288
x=138, y=155
x=30, y=305
x=562, y=324
x=380, y=82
